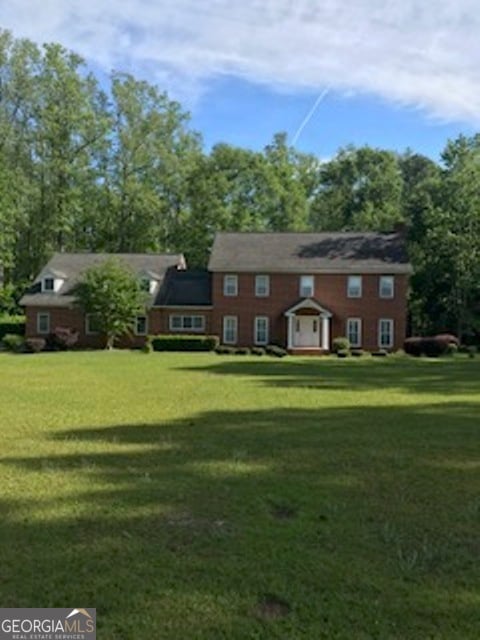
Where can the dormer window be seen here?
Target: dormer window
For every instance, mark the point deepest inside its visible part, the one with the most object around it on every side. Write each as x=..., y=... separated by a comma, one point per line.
x=148, y=285
x=49, y=284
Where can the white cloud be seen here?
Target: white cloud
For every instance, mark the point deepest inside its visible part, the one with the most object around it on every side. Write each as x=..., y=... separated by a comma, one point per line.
x=408, y=51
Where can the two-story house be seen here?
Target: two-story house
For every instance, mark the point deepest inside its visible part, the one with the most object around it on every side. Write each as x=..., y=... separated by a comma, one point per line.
x=301, y=290
x=298, y=290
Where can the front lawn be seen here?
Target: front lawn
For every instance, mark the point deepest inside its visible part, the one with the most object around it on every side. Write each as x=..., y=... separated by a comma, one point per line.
x=205, y=497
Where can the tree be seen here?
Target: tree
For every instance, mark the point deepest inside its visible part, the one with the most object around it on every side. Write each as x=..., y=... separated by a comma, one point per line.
x=112, y=294
x=361, y=189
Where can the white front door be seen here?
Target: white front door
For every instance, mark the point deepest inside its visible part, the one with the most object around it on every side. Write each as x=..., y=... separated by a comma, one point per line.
x=306, y=331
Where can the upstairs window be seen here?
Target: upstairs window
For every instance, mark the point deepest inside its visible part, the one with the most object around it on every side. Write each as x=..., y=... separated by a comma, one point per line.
x=49, y=284
x=230, y=285
x=306, y=286
x=386, y=287
x=354, y=287
x=262, y=286
x=148, y=285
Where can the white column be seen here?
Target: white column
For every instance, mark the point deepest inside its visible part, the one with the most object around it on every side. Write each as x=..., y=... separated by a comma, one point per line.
x=326, y=333
x=289, y=333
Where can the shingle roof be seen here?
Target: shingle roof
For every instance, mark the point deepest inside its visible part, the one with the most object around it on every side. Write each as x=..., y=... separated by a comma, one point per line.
x=72, y=266
x=185, y=288
x=339, y=252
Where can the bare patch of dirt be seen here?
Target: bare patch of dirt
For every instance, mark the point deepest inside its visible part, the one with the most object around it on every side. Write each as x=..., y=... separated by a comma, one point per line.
x=271, y=607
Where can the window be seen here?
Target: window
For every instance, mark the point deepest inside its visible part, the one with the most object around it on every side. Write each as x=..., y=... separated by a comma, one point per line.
x=187, y=323
x=262, y=286
x=386, y=287
x=354, y=287
x=43, y=322
x=141, y=326
x=306, y=286
x=48, y=285
x=354, y=332
x=230, y=329
x=230, y=285
x=261, y=330
x=385, y=333
x=92, y=326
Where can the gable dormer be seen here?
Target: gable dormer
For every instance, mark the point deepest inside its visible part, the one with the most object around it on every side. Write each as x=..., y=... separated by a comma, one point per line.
x=52, y=281
x=149, y=281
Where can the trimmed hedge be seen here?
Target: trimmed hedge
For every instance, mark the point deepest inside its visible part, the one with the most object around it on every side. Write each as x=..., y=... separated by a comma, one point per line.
x=225, y=350
x=274, y=350
x=184, y=343
x=432, y=347
x=12, y=326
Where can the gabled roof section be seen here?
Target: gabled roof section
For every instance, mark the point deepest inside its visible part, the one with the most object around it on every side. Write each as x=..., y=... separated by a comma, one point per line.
x=336, y=252
x=185, y=289
x=308, y=303
x=72, y=266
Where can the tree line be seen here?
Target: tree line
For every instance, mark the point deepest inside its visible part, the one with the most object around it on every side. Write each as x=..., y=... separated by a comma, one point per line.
x=84, y=167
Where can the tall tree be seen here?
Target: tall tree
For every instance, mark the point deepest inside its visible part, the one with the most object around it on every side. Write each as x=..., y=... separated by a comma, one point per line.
x=361, y=189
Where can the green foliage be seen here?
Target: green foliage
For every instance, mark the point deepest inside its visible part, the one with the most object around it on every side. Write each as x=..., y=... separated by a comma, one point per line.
x=258, y=351
x=111, y=292
x=148, y=346
x=184, y=343
x=13, y=342
x=242, y=351
x=275, y=350
x=12, y=325
x=341, y=343
x=225, y=350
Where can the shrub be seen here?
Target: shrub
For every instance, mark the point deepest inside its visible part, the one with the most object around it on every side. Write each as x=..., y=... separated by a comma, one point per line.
x=147, y=346
x=13, y=342
x=242, y=351
x=62, y=339
x=258, y=351
x=225, y=350
x=472, y=351
x=35, y=345
x=184, y=343
x=340, y=344
x=12, y=325
x=274, y=350
x=343, y=353
x=381, y=353
x=432, y=346
x=357, y=353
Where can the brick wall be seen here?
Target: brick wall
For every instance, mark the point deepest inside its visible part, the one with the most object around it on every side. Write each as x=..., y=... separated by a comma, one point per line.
x=330, y=292
x=158, y=322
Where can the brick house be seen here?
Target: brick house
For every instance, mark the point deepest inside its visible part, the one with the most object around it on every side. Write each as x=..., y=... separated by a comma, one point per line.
x=298, y=290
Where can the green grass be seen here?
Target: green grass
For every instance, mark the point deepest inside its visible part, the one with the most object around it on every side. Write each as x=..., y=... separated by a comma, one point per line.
x=206, y=497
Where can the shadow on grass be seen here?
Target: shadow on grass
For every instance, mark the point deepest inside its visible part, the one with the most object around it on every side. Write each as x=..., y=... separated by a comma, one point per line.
x=363, y=522
x=445, y=376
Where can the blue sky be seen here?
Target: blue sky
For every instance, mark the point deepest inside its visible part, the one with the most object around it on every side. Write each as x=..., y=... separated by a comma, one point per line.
x=395, y=73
